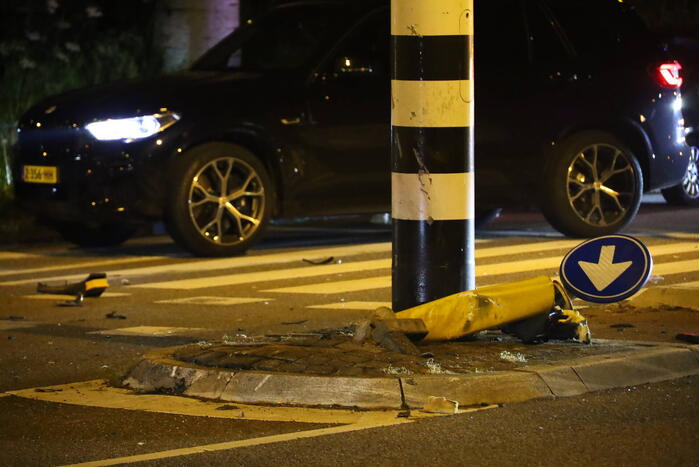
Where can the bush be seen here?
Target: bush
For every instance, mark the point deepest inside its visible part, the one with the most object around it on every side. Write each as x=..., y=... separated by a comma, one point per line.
x=51, y=46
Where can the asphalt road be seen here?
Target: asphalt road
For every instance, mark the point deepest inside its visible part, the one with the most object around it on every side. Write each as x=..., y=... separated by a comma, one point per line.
x=159, y=296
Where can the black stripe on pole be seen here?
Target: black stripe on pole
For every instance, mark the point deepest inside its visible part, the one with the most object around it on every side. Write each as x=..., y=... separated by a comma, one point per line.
x=416, y=148
x=433, y=260
x=424, y=58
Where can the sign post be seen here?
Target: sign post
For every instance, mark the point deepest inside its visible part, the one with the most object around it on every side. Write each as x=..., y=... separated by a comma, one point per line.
x=432, y=150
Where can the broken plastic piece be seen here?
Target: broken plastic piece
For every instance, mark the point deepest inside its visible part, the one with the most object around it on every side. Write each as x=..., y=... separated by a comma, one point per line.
x=95, y=284
x=441, y=405
x=77, y=301
x=556, y=324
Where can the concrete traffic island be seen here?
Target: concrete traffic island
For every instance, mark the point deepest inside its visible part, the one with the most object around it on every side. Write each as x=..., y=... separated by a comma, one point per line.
x=330, y=369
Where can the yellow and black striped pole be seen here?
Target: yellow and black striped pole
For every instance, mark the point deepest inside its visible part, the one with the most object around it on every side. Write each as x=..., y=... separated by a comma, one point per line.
x=432, y=150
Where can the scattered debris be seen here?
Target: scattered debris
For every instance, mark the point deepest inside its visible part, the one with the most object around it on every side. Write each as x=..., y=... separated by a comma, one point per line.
x=397, y=371
x=114, y=315
x=228, y=407
x=622, y=325
x=318, y=262
x=125, y=282
x=435, y=368
x=441, y=405
x=14, y=318
x=513, y=357
x=47, y=389
x=77, y=301
x=93, y=286
x=288, y=323
x=688, y=337
x=403, y=414
x=388, y=334
x=427, y=355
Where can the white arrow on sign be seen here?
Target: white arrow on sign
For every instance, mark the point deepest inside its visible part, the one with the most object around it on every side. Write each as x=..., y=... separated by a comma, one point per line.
x=604, y=271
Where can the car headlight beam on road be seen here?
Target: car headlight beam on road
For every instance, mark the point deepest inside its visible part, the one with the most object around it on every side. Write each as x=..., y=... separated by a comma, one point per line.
x=130, y=129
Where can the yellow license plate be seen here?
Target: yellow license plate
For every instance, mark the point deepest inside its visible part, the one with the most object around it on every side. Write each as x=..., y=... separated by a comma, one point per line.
x=40, y=174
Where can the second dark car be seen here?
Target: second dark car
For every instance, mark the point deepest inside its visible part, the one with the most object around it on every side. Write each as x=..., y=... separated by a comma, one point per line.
x=577, y=109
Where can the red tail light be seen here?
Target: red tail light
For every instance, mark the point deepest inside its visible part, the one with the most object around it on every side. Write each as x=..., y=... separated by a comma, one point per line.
x=668, y=75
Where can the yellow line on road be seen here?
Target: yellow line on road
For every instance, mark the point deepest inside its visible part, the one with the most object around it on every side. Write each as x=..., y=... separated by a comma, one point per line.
x=98, y=394
x=237, y=444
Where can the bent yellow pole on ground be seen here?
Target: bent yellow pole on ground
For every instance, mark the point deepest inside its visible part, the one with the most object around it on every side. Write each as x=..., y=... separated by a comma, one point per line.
x=488, y=307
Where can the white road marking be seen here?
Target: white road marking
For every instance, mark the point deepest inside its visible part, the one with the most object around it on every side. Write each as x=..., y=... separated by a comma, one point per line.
x=197, y=265
x=370, y=306
x=150, y=331
x=216, y=301
x=44, y=296
x=345, y=267
x=6, y=325
x=676, y=267
x=103, y=263
x=538, y=265
x=273, y=275
x=12, y=255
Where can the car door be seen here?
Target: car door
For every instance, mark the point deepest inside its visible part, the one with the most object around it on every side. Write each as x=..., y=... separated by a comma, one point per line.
x=347, y=133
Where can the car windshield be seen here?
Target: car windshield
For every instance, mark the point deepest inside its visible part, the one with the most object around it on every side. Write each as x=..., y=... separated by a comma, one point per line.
x=285, y=39
x=600, y=28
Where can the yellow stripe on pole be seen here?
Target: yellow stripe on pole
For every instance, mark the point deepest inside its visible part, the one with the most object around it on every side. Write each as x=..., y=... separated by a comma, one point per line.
x=431, y=17
x=431, y=104
x=432, y=196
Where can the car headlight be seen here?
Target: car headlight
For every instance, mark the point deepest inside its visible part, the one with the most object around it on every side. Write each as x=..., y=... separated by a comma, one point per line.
x=131, y=128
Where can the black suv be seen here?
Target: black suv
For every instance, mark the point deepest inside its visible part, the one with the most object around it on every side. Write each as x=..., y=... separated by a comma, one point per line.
x=577, y=109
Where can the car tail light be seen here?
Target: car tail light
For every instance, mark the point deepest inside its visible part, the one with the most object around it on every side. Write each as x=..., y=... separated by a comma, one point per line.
x=668, y=75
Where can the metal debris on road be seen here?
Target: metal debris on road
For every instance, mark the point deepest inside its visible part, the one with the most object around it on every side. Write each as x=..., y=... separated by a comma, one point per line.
x=77, y=301
x=114, y=315
x=318, y=262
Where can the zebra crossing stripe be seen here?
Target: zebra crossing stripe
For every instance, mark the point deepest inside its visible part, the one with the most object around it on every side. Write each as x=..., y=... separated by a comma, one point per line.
x=197, y=265
x=322, y=270
x=214, y=301
x=82, y=265
x=498, y=269
x=356, y=305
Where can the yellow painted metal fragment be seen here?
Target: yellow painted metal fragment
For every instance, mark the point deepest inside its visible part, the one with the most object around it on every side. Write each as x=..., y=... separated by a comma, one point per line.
x=472, y=311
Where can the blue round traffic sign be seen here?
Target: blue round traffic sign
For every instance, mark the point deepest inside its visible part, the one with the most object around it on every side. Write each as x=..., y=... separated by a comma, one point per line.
x=606, y=269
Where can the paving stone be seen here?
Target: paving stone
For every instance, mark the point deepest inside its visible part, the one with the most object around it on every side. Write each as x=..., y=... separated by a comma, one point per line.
x=471, y=390
x=314, y=390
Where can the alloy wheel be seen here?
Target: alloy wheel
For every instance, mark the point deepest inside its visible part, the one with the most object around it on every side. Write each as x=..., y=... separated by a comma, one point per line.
x=226, y=201
x=601, y=185
x=690, y=182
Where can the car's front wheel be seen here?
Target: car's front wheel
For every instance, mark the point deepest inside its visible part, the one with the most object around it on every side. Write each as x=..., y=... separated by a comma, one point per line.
x=687, y=192
x=220, y=200
x=593, y=186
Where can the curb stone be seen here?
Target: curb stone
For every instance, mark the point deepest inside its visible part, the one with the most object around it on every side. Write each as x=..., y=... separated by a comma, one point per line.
x=651, y=362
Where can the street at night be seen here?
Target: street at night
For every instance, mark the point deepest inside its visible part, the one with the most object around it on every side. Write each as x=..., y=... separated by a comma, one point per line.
x=160, y=297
